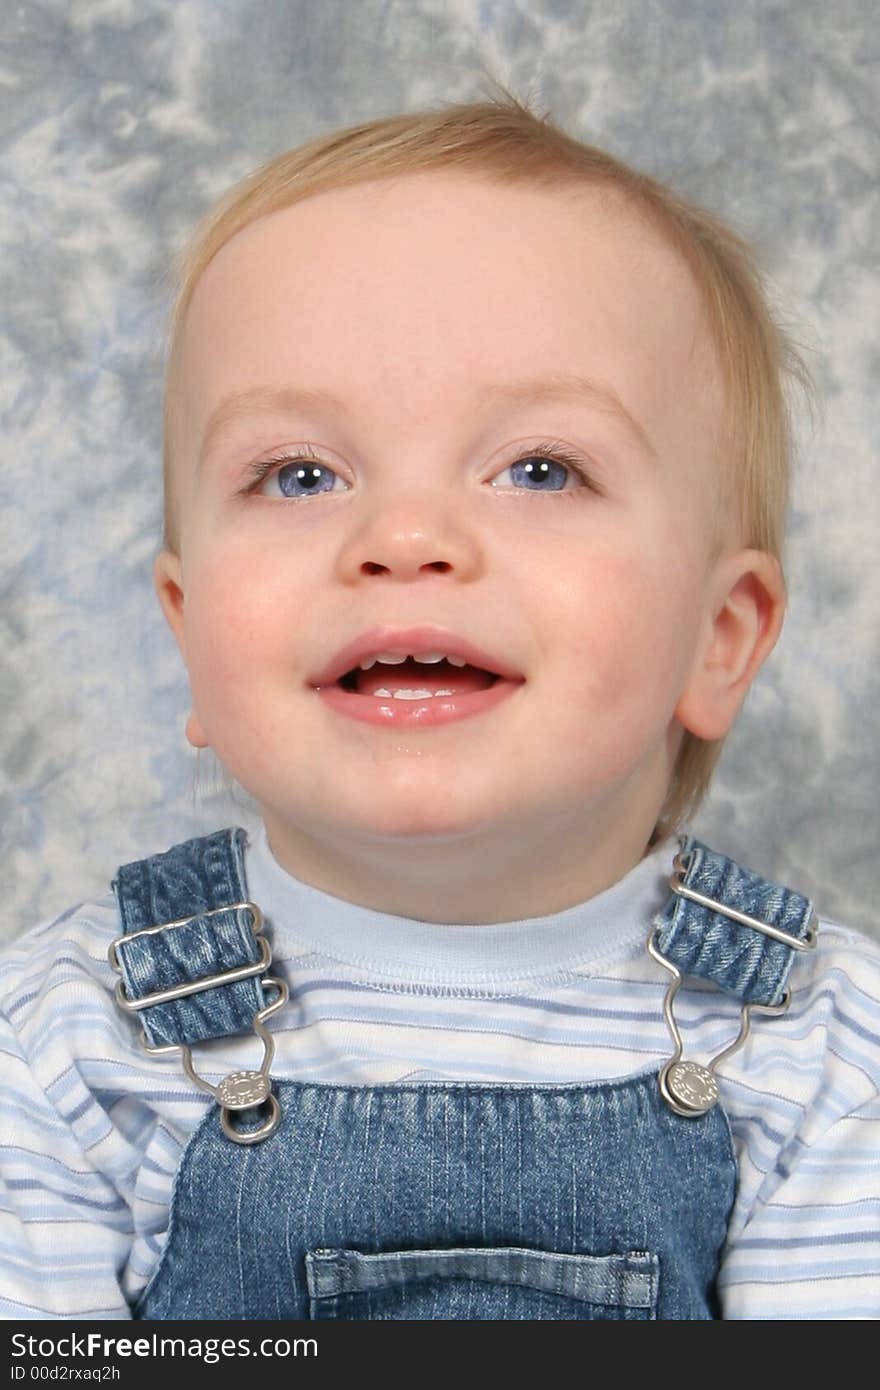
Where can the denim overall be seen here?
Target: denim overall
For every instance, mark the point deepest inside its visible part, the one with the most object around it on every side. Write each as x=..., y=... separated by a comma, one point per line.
x=440, y=1200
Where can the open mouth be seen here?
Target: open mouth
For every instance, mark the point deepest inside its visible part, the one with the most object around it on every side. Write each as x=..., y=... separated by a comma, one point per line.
x=405, y=693
x=417, y=680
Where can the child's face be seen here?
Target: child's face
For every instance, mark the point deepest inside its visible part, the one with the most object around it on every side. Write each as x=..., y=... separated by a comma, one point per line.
x=413, y=303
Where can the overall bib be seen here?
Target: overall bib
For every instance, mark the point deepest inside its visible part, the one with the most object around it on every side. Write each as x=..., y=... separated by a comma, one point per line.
x=439, y=1200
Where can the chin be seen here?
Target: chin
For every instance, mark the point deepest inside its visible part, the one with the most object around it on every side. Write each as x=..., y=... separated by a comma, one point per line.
x=417, y=814
x=420, y=828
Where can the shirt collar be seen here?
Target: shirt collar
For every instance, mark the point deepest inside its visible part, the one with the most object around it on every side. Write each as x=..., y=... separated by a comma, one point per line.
x=456, y=954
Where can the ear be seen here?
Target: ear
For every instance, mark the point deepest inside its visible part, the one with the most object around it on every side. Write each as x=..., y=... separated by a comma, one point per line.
x=743, y=622
x=168, y=583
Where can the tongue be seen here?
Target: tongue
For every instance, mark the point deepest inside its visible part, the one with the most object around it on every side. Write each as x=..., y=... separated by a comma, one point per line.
x=419, y=675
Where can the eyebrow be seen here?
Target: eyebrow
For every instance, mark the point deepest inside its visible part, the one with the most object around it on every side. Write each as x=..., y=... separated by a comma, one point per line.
x=567, y=386
x=520, y=391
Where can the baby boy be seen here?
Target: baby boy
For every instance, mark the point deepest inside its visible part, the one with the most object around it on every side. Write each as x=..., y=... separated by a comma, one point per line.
x=476, y=461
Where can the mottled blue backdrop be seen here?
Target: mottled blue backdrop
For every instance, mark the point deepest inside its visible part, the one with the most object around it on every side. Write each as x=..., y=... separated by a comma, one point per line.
x=123, y=120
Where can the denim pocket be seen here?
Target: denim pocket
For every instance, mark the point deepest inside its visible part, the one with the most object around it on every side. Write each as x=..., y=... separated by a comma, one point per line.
x=464, y=1283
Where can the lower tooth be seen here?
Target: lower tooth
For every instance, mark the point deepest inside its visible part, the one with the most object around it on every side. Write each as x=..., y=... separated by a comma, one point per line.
x=411, y=694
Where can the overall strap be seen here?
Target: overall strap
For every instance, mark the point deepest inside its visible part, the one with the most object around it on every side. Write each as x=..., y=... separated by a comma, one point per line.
x=728, y=925
x=192, y=962
x=734, y=928
x=189, y=932
x=192, y=958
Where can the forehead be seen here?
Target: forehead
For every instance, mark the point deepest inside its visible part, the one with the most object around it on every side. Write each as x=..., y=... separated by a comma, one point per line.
x=409, y=296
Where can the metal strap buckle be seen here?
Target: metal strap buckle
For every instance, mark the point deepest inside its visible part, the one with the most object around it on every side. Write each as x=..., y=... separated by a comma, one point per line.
x=689, y=1088
x=226, y=977
x=807, y=943
x=240, y=1090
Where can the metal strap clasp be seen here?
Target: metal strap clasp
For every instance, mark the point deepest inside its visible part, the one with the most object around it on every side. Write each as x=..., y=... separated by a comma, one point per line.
x=805, y=943
x=225, y=977
x=688, y=1087
x=240, y=1090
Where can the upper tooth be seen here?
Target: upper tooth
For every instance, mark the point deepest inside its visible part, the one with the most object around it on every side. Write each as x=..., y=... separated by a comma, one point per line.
x=382, y=656
x=394, y=659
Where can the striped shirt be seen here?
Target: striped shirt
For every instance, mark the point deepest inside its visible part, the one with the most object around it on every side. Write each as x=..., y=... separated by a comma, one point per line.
x=94, y=1128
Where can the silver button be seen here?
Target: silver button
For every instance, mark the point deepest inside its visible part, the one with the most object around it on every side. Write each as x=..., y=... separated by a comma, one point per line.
x=690, y=1088
x=242, y=1089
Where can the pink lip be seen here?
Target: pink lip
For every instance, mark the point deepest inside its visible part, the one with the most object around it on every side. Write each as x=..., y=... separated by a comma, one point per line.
x=412, y=640
x=415, y=714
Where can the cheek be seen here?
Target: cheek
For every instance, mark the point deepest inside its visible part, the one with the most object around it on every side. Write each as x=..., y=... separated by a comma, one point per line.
x=233, y=628
x=628, y=612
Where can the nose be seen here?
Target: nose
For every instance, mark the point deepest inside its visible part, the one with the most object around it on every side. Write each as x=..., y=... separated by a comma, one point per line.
x=408, y=541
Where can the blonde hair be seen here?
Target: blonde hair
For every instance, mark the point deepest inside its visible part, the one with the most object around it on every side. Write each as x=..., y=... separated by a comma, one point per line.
x=504, y=140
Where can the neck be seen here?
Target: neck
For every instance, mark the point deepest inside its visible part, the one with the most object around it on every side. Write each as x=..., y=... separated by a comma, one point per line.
x=506, y=874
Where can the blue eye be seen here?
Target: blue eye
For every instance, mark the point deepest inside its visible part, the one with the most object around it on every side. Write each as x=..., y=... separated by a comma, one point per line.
x=303, y=479
x=536, y=470
x=295, y=475
x=300, y=475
